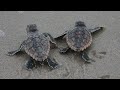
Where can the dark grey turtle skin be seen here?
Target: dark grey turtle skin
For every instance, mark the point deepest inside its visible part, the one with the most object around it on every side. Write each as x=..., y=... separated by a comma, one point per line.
x=79, y=39
x=37, y=47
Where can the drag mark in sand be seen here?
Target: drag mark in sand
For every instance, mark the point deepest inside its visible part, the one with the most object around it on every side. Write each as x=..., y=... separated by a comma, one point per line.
x=99, y=56
x=105, y=77
x=2, y=34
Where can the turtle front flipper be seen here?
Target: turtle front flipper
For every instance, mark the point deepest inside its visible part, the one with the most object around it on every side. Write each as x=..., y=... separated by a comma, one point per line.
x=52, y=63
x=63, y=50
x=96, y=29
x=61, y=36
x=51, y=39
x=85, y=57
x=11, y=53
x=49, y=36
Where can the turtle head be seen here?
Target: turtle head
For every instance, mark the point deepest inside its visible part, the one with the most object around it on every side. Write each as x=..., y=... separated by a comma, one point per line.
x=32, y=30
x=80, y=24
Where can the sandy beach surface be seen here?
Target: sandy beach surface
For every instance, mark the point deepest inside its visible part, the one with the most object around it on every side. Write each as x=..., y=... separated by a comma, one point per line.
x=105, y=48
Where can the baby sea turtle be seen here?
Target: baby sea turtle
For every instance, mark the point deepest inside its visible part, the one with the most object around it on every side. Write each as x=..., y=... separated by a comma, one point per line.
x=79, y=39
x=37, y=47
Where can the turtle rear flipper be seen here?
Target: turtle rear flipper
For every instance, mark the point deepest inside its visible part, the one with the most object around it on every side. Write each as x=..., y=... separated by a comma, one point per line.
x=96, y=29
x=85, y=57
x=30, y=64
x=52, y=63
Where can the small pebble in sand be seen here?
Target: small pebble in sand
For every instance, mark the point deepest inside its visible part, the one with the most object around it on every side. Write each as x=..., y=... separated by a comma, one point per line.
x=2, y=34
x=104, y=53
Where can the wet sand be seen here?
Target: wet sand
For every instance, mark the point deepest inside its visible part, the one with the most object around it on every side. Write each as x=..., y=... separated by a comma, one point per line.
x=105, y=48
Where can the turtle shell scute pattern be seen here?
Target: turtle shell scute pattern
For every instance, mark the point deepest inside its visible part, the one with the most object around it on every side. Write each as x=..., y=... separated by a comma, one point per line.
x=79, y=39
x=37, y=47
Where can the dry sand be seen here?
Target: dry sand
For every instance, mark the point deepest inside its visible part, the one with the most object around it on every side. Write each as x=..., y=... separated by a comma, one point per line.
x=105, y=49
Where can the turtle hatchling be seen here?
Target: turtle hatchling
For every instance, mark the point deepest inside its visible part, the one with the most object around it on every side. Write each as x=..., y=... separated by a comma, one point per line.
x=37, y=46
x=79, y=39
